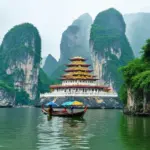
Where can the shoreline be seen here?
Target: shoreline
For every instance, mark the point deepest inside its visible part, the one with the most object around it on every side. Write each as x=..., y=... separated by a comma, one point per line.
x=26, y=106
x=128, y=113
x=6, y=106
x=139, y=114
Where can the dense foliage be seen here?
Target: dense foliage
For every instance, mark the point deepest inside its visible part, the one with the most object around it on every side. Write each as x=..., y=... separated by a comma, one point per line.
x=108, y=27
x=137, y=77
x=44, y=82
x=108, y=39
x=22, y=98
x=18, y=44
x=7, y=87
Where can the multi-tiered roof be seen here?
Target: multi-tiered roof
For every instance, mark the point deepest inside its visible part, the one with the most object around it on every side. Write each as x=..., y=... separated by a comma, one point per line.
x=78, y=70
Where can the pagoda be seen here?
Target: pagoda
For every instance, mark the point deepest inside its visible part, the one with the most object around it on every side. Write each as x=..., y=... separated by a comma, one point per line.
x=78, y=80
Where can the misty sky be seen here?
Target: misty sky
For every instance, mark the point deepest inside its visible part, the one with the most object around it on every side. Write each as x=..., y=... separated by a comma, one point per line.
x=52, y=17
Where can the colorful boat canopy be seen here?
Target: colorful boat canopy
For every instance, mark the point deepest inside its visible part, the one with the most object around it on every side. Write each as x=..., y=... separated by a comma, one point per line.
x=69, y=103
x=72, y=103
x=77, y=103
x=51, y=104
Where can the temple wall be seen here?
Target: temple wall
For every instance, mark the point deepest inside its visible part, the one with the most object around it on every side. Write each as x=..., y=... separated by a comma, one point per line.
x=78, y=82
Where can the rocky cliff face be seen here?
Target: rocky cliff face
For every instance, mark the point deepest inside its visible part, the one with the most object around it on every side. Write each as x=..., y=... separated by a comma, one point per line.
x=50, y=65
x=6, y=99
x=20, y=55
x=75, y=40
x=138, y=30
x=109, y=47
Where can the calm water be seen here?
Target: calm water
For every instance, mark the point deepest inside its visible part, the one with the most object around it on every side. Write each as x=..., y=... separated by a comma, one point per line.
x=29, y=129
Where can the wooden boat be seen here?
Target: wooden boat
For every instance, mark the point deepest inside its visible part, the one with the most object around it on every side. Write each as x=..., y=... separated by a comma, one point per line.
x=66, y=114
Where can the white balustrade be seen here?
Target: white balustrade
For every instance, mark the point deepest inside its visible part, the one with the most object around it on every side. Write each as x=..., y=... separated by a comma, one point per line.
x=79, y=94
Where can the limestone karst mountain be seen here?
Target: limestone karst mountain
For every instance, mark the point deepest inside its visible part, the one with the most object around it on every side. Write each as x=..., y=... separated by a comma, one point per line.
x=109, y=47
x=74, y=42
x=50, y=65
x=20, y=55
x=75, y=39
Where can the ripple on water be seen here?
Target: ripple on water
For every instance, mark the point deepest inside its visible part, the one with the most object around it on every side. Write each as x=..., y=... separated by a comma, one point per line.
x=62, y=133
x=29, y=129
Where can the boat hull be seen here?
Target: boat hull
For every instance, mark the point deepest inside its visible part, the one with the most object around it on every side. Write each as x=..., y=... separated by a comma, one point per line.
x=77, y=114
x=62, y=114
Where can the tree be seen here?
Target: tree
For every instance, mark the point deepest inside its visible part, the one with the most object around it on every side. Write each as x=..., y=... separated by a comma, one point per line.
x=44, y=82
x=22, y=97
x=146, y=51
x=133, y=68
x=137, y=78
x=142, y=81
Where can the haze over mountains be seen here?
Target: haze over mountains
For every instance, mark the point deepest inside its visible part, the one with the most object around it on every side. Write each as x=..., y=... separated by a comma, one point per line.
x=52, y=17
x=138, y=30
x=142, y=31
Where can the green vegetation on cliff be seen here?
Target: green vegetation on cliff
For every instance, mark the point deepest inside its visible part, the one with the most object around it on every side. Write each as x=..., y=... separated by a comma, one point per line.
x=105, y=30
x=137, y=80
x=44, y=82
x=20, y=55
x=5, y=86
x=21, y=97
x=19, y=42
x=109, y=43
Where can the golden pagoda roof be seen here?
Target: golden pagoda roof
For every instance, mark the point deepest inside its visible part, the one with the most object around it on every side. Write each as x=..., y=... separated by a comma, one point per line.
x=77, y=58
x=79, y=65
x=78, y=70
x=77, y=62
x=78, y=73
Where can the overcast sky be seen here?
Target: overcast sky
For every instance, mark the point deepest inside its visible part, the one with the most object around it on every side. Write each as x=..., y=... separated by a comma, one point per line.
x=52, y=17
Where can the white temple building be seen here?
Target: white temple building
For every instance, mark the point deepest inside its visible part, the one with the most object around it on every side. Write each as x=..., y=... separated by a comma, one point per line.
x=79, y=82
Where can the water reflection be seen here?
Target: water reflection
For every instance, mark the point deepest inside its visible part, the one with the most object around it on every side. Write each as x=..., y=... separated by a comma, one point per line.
x=49, y=117
x=135, y=132
x=62, y=133
x=75, y=131
x=29, y=129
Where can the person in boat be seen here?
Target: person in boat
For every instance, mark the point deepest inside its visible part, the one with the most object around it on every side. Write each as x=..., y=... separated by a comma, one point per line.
x=64, y=110
x=85, y=108
x=49, y=110
x=72, y=109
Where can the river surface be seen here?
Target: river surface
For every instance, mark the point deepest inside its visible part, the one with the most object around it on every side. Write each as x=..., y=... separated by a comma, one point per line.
x=29, y=129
